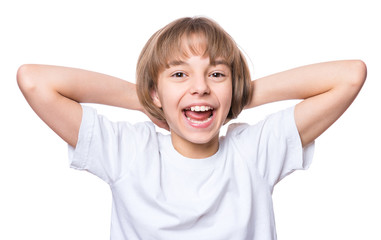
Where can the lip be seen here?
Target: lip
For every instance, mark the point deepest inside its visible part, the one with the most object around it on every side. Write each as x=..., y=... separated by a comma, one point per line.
x=201, y=125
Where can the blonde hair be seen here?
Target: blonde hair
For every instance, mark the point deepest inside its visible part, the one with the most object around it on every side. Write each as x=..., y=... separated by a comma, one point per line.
x=199, y=33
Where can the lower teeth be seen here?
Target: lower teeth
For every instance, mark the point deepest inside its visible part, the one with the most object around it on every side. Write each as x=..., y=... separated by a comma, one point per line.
x=199, y=122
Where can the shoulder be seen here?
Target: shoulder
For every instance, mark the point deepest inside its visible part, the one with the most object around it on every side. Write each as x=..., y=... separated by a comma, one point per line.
x=275, y=121
x=271, y=131
x=102, y=125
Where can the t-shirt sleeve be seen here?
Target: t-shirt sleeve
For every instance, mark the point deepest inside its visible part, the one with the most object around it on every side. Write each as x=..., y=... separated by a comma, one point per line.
x=105, y=148
x=273, y=146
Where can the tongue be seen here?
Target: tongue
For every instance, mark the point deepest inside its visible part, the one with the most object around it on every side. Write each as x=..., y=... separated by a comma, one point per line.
x=198, y=115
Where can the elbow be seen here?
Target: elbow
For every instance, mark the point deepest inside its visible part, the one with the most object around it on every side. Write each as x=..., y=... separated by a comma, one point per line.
x=358, y=73
x=25, y=79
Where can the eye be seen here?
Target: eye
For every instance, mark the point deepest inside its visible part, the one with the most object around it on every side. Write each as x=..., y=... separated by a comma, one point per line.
x=178, y=75
x=217, y=75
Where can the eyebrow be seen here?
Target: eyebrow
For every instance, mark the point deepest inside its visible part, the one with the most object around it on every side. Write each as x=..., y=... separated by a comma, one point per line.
x=180, y=62
x=177, y=63
x=220, y=62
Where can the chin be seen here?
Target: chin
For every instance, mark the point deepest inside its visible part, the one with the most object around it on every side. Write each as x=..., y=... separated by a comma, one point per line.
x=201, y=139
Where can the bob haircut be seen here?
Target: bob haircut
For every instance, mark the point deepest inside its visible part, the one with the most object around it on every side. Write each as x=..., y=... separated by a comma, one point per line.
x=203, y=37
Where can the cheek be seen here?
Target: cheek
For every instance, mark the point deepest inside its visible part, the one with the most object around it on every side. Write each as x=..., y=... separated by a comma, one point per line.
x=225, y=94
x=169, y=100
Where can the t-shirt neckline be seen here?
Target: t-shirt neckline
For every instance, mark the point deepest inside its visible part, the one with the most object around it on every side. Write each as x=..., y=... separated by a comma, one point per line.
x=181, y=161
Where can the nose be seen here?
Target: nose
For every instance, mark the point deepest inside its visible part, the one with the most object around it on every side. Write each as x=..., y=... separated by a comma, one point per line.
x=200, y=86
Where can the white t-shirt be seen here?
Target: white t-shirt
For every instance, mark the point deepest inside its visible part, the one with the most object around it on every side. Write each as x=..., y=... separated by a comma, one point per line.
x=160, y=194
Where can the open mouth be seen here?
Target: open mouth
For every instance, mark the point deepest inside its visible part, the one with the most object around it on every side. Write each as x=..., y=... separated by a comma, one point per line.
x=199, y=114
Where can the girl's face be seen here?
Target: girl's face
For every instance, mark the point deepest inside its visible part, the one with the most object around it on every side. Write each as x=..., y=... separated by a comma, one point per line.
x=195, y=97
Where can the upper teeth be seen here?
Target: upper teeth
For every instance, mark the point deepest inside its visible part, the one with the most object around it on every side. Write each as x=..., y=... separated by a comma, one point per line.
x=200, y=108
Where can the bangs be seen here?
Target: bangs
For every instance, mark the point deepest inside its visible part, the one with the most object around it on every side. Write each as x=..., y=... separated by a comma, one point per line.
x=206, y=40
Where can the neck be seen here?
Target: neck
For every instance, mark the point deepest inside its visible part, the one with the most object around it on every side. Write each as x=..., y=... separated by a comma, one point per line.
x=195, y=150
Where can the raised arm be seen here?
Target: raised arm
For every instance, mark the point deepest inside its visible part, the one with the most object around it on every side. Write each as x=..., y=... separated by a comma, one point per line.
x=55, y=92
x=328, y=89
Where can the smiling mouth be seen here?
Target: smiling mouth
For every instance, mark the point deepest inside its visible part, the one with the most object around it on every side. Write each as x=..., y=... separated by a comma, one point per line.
x=199, y=114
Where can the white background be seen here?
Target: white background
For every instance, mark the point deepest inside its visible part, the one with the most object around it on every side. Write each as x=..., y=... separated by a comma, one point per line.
x=339, y=197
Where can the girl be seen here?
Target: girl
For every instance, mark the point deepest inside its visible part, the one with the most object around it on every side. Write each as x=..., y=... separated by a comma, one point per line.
x=192, y=183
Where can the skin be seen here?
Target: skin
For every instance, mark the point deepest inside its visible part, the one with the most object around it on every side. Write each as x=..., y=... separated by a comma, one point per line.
x=328, y=89
x=194, y=82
